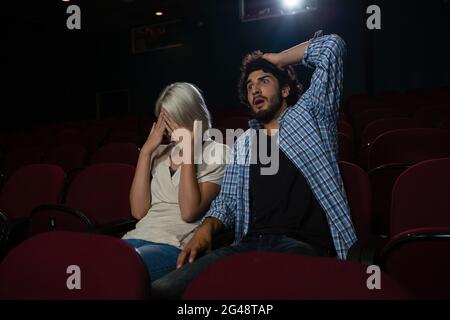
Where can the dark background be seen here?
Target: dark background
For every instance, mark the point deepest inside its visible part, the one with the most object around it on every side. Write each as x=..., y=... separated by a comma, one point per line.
x=53, y=74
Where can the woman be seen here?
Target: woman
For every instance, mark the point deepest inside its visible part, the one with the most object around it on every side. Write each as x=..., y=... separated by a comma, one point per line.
x=169, y=197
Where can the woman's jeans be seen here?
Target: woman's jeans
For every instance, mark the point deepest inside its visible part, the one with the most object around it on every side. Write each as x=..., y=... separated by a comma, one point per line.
x=159, y=258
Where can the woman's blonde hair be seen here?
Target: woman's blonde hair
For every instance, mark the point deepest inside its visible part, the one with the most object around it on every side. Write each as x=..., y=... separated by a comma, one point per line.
x=185, y=104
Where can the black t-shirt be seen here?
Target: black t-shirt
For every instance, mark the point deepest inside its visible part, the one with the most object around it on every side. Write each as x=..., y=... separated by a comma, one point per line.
x=283, y=203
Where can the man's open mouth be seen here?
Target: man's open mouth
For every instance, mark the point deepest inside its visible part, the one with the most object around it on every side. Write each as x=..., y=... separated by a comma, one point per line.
x=258, y=102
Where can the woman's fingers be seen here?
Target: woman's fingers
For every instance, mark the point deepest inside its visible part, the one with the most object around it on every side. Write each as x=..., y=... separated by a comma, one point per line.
x=171, y=123
x=158, y=122
x=153, y=128
x=168, y=128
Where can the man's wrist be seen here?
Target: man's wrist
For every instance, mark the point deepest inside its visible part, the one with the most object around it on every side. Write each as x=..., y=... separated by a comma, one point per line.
x=212, y=225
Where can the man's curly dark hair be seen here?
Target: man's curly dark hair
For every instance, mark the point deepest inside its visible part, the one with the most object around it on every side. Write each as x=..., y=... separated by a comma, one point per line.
x=285, y=76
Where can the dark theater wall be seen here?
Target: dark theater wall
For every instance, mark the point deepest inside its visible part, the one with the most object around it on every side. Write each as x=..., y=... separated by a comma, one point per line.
x=412, y=49
x=53, y=73
x=213, y=57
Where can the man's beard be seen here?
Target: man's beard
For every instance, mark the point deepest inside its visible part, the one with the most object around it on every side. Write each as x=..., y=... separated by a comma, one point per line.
x=267, y=115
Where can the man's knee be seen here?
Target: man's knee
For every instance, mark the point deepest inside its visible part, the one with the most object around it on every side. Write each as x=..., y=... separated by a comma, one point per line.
x=164, y=289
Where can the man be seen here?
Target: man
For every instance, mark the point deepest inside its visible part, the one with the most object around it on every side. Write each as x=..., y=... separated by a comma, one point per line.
x=302, y=207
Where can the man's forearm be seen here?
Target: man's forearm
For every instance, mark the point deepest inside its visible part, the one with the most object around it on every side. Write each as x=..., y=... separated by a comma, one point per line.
x=292, y=55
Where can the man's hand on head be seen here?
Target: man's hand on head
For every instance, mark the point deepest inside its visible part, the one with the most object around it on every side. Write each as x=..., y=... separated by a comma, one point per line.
x=273, y=58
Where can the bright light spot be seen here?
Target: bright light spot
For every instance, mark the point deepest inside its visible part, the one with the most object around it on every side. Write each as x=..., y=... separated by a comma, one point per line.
x=158, y=13
x=291, y=3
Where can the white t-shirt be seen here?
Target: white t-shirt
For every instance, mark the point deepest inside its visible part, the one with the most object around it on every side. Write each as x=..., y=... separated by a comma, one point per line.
x=163, y=222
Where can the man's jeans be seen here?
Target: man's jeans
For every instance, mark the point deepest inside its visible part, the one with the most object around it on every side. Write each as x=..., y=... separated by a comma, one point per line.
x=173, y=285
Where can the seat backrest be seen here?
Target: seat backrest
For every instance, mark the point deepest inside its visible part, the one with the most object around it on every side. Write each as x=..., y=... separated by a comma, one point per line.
x=421, y=197
x=73, y=266
x=19, y=157
x=116, y=153
x=129, y=123
x=67, y=156
x=432, y=115
x=418, y=259
x=29, y=187
x=278, y=276
x=232, y=122
x=68, y=136
x=4, y=234
x=357, y=188
x=382, y=180
x=346, y=128
x=368, y=116
x=346, y=150
x=376, y=128
x=101, y=192
x=409, y=146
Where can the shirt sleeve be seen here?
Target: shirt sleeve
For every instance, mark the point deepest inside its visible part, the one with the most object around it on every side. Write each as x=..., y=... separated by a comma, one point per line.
x=216, y=158
x=223, y=206
x=326, y=55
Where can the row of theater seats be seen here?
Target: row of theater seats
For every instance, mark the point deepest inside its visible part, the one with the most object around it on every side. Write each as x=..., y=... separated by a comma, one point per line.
x=70, y=157
x=403, y=197
x=387, y=134
x=401, y=143
x=108, y=268
x=38, y=198
x=391, y=154
x=73, y=145
x=360, y=113
x=416, y=254
x=92, y=133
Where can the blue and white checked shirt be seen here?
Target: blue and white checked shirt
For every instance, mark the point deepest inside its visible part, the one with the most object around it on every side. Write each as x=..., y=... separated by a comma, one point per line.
x=308, y=137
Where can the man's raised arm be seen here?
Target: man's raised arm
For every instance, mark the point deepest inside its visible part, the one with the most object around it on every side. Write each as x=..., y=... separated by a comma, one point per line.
x=325, y=54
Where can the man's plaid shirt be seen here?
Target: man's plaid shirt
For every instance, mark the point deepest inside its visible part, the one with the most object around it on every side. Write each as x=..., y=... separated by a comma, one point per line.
x=308, y=137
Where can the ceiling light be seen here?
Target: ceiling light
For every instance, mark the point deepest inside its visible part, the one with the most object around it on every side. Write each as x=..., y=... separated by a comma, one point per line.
x=291, y=3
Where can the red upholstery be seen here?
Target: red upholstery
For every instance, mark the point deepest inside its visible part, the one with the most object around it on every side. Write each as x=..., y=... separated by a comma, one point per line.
x=58, y=217
x=16, y=139
x=116, y=153
x=4, y=234
x=356, y=104
x=123, y=137
x=19, y=157
x=444, y=123
x=419, y=260
x=362, y=119
x=357, y=187
x=101, y=192
x=37, y=268
x=376, y=128
x=382, y=180
x=265, y=275
x=421, y=197
x=128, y=124
x=29, y=187
x=231, y=122
x=67, y=156
x=345, y=148
x=345, y=128
x=409, y=146
x=432, y=115
x=69, y=136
